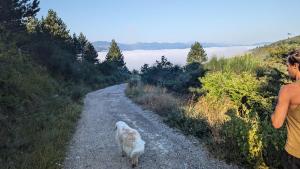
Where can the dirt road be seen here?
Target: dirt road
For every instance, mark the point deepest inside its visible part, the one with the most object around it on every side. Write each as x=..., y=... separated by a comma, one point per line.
x=93, y=145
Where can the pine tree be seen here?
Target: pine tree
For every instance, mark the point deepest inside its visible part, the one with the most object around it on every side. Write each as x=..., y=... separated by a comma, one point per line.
x=163, y=63
x=15, y=12
x=89, y=53
x=13, y=17
x=84, y=49
x=196, y=54
x=82, y=42
x=55, y=26
x=32, y=25
x=115, y=55
x=76, y=44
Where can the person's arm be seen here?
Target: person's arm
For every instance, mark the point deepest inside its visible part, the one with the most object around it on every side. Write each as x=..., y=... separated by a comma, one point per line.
x=281, y=109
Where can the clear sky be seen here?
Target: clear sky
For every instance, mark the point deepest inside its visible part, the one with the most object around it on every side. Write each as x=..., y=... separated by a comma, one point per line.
x=130, y=21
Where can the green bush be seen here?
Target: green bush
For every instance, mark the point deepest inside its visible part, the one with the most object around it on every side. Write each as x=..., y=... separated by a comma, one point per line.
x=134, y=81
x=248, y=131
x=195, y=126
x=36, y=119
x=78, y=92
x=241, y=88
x=172, y=77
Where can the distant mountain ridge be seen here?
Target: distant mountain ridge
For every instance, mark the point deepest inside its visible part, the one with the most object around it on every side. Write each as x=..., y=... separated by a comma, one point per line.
x=104, y=45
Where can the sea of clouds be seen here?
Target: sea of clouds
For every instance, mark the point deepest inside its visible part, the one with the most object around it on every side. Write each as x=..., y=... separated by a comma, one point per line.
x=136, y=58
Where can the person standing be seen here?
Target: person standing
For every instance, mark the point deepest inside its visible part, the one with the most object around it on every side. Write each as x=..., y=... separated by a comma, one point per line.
x=288, y=107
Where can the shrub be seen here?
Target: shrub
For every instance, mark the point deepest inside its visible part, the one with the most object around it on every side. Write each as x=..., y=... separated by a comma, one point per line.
x=246, y=127
x=175, y=78
x=36, y=115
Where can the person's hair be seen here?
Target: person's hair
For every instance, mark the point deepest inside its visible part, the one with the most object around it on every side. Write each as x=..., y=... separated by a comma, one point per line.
x=294, y=57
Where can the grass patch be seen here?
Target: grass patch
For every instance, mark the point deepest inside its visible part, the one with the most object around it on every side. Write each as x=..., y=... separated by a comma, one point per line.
x=154, y=98
x=49, y=143
x=174, y=111
x=237, y=64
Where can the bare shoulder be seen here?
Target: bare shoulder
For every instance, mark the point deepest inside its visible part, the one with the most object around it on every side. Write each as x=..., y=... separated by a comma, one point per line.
x=285, y=90
x=291, y=86
x=289, y=89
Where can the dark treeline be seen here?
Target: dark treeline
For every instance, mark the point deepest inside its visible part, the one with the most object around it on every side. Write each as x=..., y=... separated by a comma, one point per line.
x=44, y=74
x=176, y=78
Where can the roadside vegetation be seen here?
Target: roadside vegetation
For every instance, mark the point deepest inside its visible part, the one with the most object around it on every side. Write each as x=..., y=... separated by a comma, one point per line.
x=44, y=74
x=226, y=102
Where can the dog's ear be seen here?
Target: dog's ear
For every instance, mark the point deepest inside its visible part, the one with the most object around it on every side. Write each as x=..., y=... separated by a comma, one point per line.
x=115, y=128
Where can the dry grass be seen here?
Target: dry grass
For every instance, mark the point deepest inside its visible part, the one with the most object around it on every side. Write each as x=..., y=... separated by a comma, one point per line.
x=213, y=111
x=157, y=99
x=154, y=98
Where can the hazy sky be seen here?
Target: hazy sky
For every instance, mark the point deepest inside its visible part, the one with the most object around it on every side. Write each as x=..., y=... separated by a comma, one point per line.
x=130, y=21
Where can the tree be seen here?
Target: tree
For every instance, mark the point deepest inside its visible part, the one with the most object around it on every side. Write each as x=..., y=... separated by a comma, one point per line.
x=55, y=26
x=196, y=54
x=82, y=42
x=84, y=48
x=76, y=44
x=32, y=25
x=164, y=63
x=89, y=53
x=145, y=68
x=15, y=12
x=115, y=55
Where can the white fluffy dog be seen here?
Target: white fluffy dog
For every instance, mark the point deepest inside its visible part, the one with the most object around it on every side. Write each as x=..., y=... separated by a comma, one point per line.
x=129, y=141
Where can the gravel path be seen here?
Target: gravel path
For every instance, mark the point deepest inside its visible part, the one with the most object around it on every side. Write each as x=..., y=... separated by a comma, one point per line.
x=93, y=145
